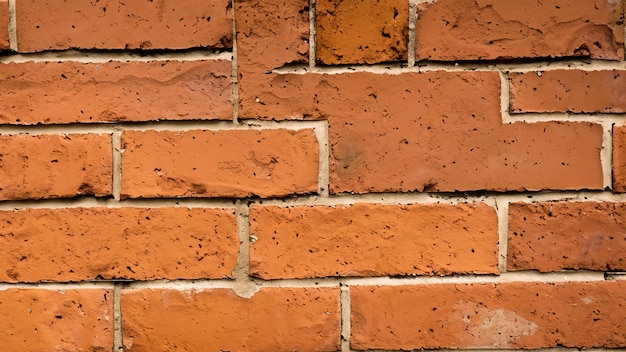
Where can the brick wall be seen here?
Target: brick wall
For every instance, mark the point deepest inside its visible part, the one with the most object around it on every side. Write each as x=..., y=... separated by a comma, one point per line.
x=338, y=175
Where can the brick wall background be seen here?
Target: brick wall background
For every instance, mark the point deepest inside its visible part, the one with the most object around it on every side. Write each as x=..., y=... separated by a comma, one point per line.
x=329, y=175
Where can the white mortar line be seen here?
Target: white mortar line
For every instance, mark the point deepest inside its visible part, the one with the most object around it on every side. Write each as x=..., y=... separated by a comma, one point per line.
x=243, y=285
x=12, y=25
x=176, y=126
x=332, y=200
x=554, y=349
x=606, y=155
x=106, y=56
x=427, y=66
x=344, y=300
x=59, y=286
x=323, y=182
x=118, y=343
x=116, y=143
x=257, y=284
x=502, y=209
x=89, y=202
x=505, y=96
x=312, y=33
x=532, y=117
x=412, y=22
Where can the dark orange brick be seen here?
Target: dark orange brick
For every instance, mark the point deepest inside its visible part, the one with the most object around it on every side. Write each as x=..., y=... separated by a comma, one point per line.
x=271, y=33
x=108, y=24
x=274, y=319
x=76, y=244
x=501, y=29
x=431, y=131
x=373, y=240
x=568, y=91
x=48, y=320
x=520, y=315
x=619, y=159
x=65, y=92
x=557, y=236
x=4, y=25
x=235, y=163
x=356, y=31
x=55, y=166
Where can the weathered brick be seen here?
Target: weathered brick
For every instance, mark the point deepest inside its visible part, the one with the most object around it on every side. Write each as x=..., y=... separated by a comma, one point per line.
x=431, y=131
x=524, y=315
x=48, y=320
x=568, y=91
x=501, y=29
x=356, y=31
x=373, y=240
x=563, y=235
x=4, y=25
x=274, y=319
x=76, y=244
x=65, y=92
x=271, y=34
x=619, y=159
x=55, y=166
x=234, y=163
x=108, y=24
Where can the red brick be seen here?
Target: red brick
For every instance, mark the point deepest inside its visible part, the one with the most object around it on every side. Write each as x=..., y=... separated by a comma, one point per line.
x=355, y=31
x=4, y=25
x=524, y=315
x=501, y=29
x=373, y=240
x=47, y=320
x=433, y=131
x=557, y=236
x=274, y=319
x=235, y=163
x=108, y=24
x=55, y=166
x=568, y=91
x=619, y=159
x=77, y=244
x=271, y=33
x=65, y=92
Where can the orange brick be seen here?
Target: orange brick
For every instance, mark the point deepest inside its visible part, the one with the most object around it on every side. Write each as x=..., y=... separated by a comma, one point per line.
x=619, y=159
x=47, y=320
x=108, y=24
x=520, y=315
x=78, y=244
x=355, y=31
x=432, y=131
x=568, y=91
x=557, y=236
x=501, y=29
x=274, y=319
x=65, y=92
x=373, y=240
x=55, y=166
x=4, y=25
x=271, y=34
x=235, y=163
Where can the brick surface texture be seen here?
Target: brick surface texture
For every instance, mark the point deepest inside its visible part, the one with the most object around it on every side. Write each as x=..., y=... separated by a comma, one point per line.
x=295, y=175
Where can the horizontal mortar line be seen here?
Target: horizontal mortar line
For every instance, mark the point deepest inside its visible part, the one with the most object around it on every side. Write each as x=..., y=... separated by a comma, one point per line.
x=532, y=117
x=554, y=349
x=427, y=66
x=92, y=202
x=164, y=125
x=490, y=199
x=58, y=286
x=99, y=56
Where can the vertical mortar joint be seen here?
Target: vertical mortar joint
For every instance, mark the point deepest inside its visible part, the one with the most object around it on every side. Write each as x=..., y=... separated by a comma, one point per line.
x=312, y=33
x=12, y=26
x=243, y=285
x=344, y=300
x=118, y=343
x=412, y=34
